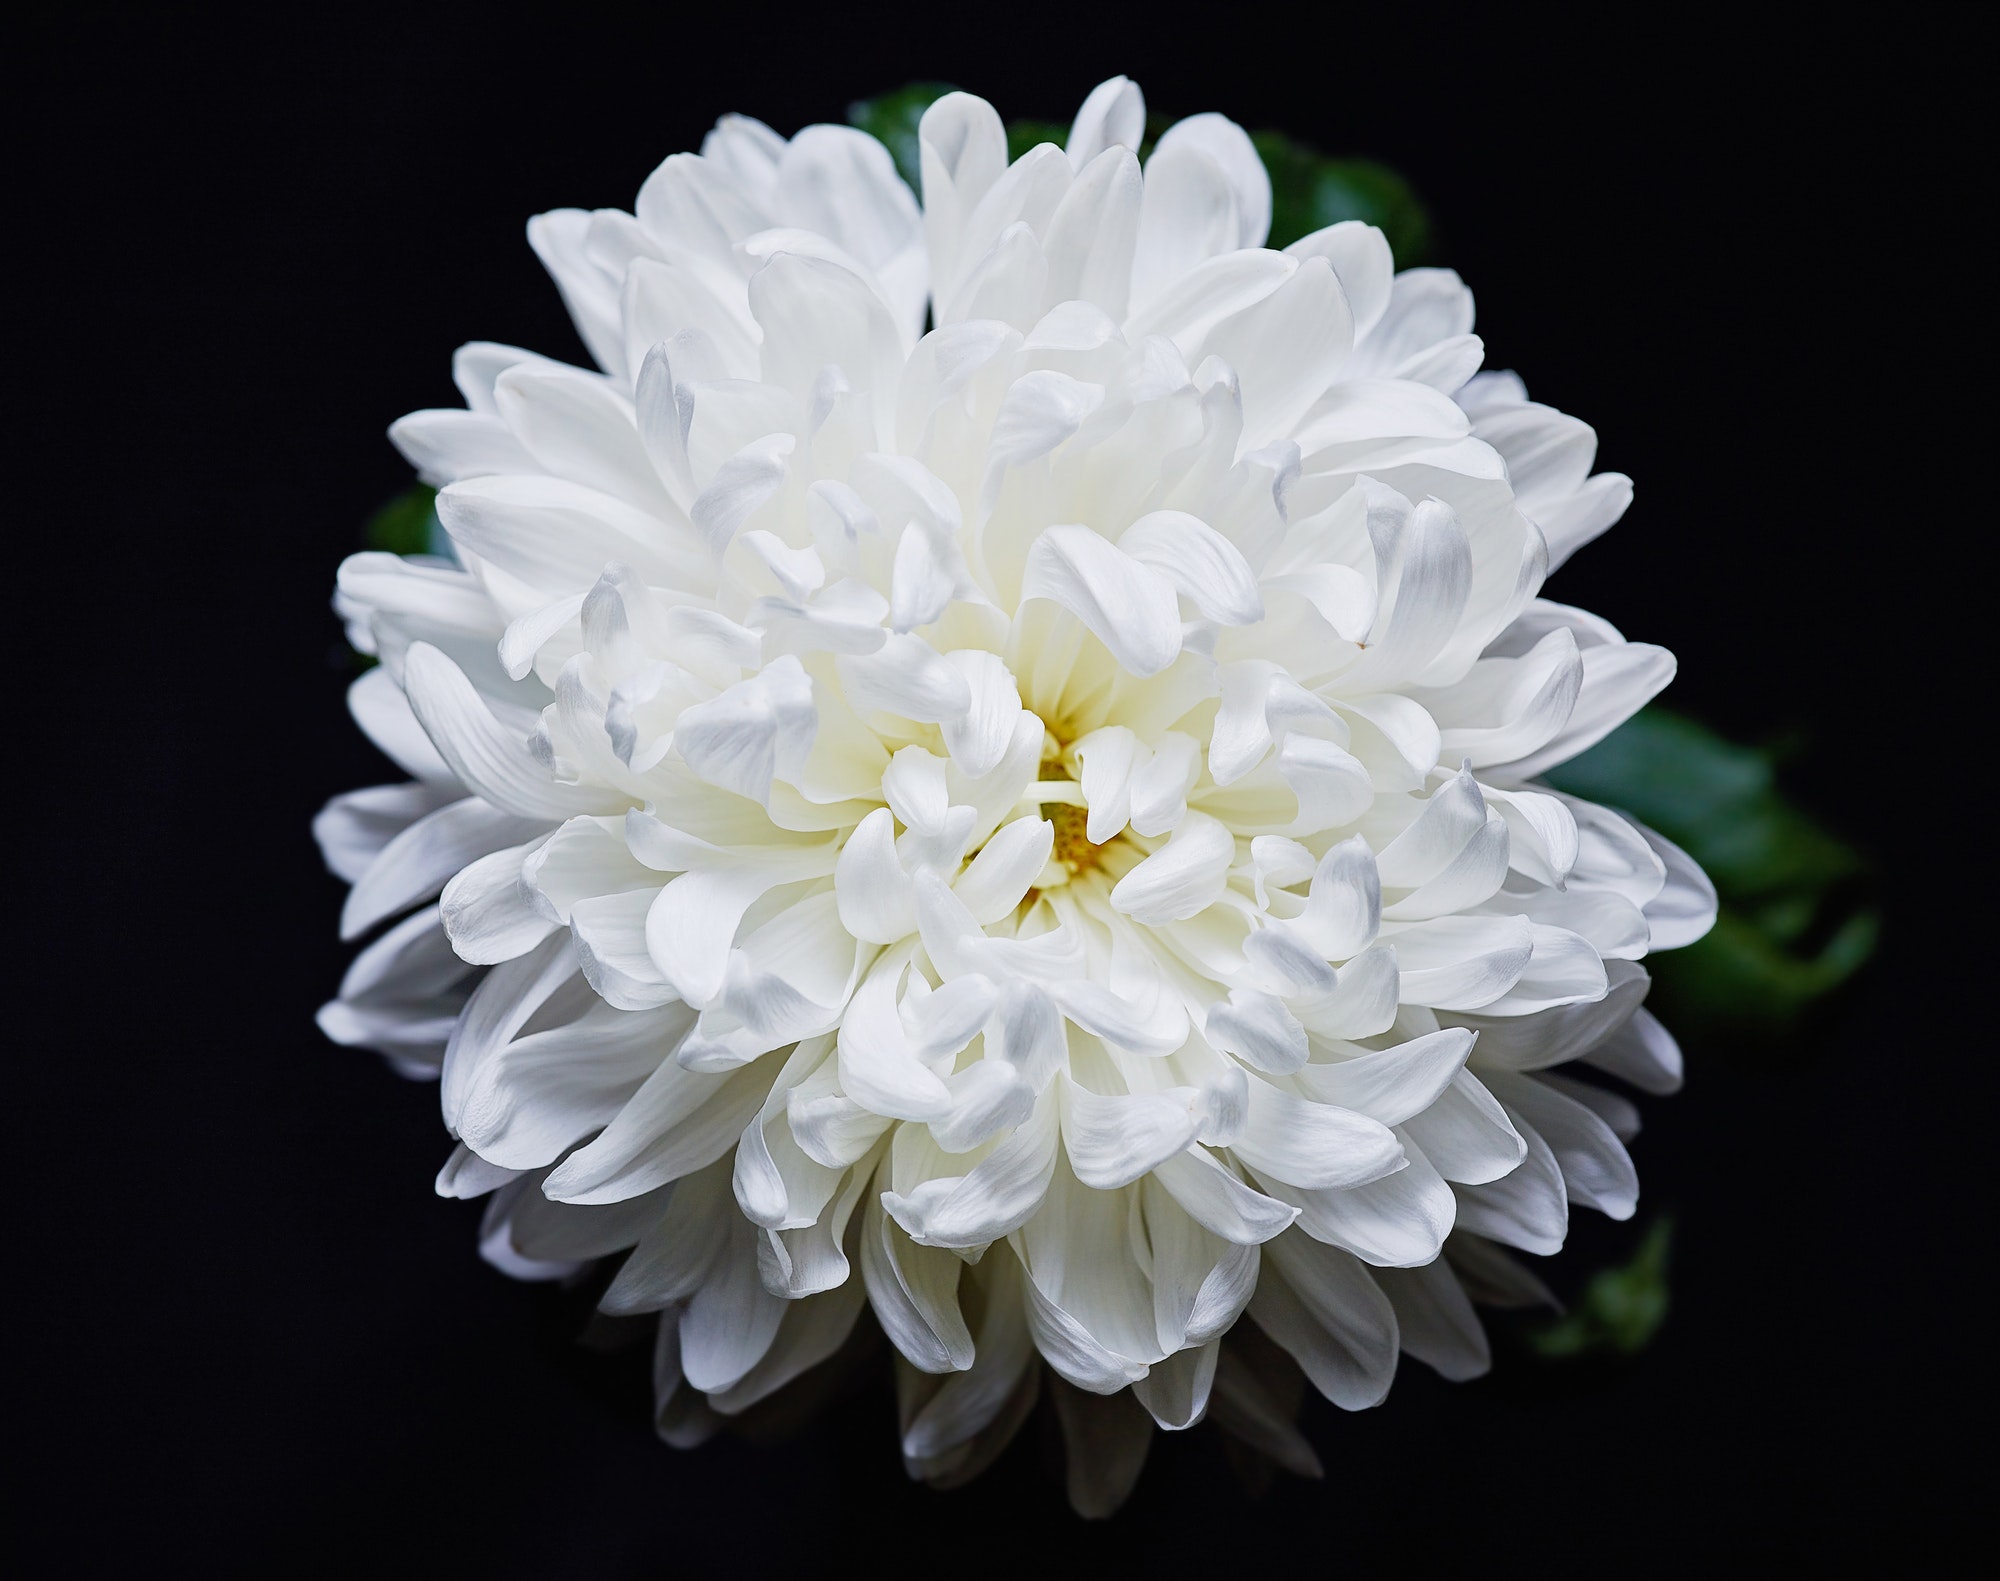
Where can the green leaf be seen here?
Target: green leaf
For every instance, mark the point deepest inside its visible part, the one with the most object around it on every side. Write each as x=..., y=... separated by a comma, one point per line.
x=1310, y=191
x=1622, y=1307
x=891, y=119
x=1790, y=928
x=1741, y=977
x=408, y=524
x=1716, y=798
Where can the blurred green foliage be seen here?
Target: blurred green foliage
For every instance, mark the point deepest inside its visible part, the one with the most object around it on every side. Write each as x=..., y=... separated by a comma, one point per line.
x=1308, y=190
x=1793, y=923
x=1621, y=1309
x=409, y=524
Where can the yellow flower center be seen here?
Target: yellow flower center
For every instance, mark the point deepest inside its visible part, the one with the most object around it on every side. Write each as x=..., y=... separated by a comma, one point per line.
x=1072, y=844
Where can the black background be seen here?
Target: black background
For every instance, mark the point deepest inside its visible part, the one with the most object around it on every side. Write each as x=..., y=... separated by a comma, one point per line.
x=1735, y=241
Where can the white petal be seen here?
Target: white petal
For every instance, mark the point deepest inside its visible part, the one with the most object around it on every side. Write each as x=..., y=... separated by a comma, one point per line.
x=997, y=879
x=691, y=925
x=1204, y=566
x=1462, y=963
x=489, y=758
x=1230, y=147
x=1175, y=1391
x=1188, y=215
x=842, y=183
x=1220, y=1202
x=1507, y=708
x=1466, y=1134
x=1161, y=784
x=1685, y=908
x=1322, y=1306
x=810, y=1330
x=445, y=446
x=477, y=365
x=1129, y=607
x=1361, y=260
x=731, y=1320
x=978, y=738
x=676, y=1123
x=690, y=202
x=1399, y=1221
x=987, y=1097
x=1527, y=1208
x=1597, y=1171
x=1026, y=1030
x=1562, y=969
x=1596, y=505
x=466, y=1175
x=674, y=1257
x=1113, y=115
x=538, y=1095
x=756, y=730
x=1105, y=759
x=1344, y=906
x=908, y=677
x=584, y=858
x=587, y=291
x=1105, y=1439
x=1425, y=306
x=1493, y=1277
x=1259, y=1030
x=1618, y=680
x=1331, y=784
x=964, y=150
x=1314, y=1145
x=413, y=961
x=738, y=490
x=1436, y=1321
x=816, y=314
x=1242, y=1406
x=576, y=427
x=379, y=707
x=1392, y=1084
x=1363, y=1001
x=961, y=1428
x=1182, y=877
x=1560, y=1034
x=1642, y=1052
x=353, y=830
x=1191, y=303
x=914, y=1292
x=557, y=536
x=1091, y=236
x=877, y=901
x=490, y=913
x=1113, y=1141
x=610, y=935
x=1000, y=1192
x=499, y=1007
x=1286, y=349
x=1041, y=410
x=878, y=1068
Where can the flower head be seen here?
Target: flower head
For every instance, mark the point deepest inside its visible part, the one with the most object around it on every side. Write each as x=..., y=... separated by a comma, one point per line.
x=1027, y=825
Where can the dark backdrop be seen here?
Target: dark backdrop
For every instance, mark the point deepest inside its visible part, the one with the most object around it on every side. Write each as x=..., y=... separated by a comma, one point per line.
x=252, y=242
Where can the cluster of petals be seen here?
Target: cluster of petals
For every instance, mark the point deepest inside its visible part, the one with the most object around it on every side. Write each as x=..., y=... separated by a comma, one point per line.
x=982, y=764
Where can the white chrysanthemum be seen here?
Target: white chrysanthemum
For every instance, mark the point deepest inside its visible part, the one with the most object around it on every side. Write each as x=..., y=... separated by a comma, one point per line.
x=1029, y=826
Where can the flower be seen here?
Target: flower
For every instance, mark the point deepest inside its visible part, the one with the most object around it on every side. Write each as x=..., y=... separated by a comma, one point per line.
x=1029, y=825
